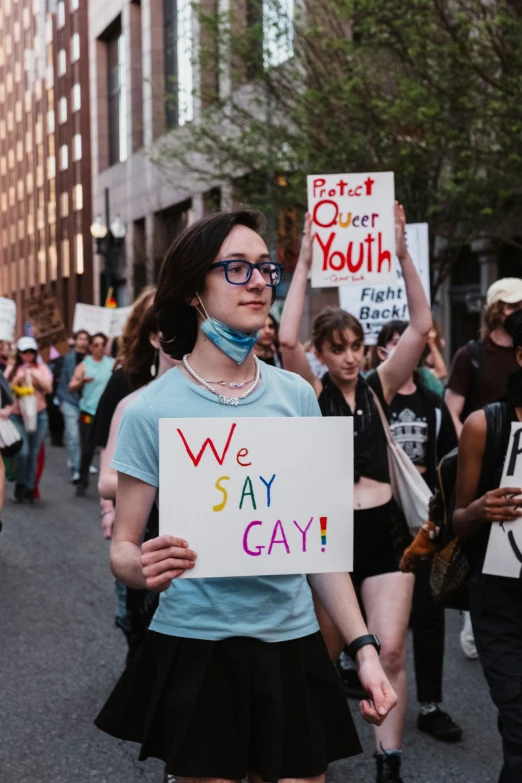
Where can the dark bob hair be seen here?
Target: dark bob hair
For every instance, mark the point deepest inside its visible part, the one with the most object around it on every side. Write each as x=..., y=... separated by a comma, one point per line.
x=183, y=273
x=331, y=326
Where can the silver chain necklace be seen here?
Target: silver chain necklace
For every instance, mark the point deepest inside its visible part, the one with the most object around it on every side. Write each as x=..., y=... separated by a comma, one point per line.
x=222, y=398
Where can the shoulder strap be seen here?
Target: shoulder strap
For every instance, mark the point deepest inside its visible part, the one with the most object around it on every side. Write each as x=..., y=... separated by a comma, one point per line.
x=474, y=348
x=384, y=421
x=498, y=428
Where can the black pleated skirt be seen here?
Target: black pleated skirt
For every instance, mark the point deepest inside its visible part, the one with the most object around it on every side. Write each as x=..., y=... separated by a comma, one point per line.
x=218, y=709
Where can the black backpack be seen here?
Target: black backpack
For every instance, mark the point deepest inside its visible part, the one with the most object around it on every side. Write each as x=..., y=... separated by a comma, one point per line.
x=450, y=565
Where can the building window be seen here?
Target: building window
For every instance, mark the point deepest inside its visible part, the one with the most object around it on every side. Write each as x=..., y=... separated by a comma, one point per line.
x=66, y=266
x=60, y=16
x=79, y=254
x=77, y=197
x=75, y=47
x=178, y=56
x=51, y=167
x=76, y=98
x=278, y=31
x=75, y=4
x=62, y=110
x=64, y=204
x=50, y=121
x=62, y=62
x=117, y=99
x=49, y=77
x=77, y=147
x=64, y=157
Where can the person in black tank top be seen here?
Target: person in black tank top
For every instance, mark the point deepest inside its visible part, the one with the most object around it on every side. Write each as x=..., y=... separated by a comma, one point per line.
x=421, y=424
x=495, y=602
x=380, y=530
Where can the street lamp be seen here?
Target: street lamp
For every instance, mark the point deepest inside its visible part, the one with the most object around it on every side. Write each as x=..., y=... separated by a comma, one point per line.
x=109, y=237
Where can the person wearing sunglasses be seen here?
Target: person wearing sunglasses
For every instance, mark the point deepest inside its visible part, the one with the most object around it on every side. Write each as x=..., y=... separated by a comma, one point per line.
x=90, y=379
x=233, y=677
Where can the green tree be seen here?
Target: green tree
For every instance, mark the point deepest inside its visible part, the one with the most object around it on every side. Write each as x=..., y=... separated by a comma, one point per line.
x=430, y=89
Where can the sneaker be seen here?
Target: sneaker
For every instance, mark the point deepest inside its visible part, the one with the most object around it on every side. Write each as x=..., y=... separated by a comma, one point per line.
x=75, y=477
x=388, y=767
x=467, y=639
x=440, y=725
x=93, y=470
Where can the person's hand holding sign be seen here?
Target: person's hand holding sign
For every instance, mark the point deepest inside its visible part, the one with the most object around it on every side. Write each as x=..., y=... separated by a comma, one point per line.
x=400, y=232
x=499, y=505
x=163, y=559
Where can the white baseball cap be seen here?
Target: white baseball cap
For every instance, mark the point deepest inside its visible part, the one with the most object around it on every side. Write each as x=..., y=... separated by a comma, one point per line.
x=508, y=289
x=27, y=344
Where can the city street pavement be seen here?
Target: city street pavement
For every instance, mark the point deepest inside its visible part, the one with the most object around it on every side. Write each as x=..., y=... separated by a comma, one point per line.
x=60, y=654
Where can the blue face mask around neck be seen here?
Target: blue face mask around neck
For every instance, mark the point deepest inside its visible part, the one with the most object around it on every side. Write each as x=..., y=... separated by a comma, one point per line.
x=235, y=345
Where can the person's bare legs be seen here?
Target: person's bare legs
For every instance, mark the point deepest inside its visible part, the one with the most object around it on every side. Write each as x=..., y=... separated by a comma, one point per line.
x=387, y=602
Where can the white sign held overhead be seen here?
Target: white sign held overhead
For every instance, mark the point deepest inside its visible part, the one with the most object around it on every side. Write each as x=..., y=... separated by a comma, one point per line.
x=7, y=319
x=248, y=508
x=504, y=552
x=373, y=304
x=92, y=319
x=118, y=321
x=353, y=223
x=107, y=320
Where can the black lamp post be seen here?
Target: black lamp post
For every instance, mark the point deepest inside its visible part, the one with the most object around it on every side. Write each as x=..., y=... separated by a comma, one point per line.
x=109, y=237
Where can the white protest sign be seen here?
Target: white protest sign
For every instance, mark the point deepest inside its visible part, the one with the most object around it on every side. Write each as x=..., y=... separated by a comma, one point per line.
x=92, y=319
x=7, y=318
x=504, y=552
x=375, y=305
x=107, y=320
x=353, y=223
x=118, y=320
x=259, y=496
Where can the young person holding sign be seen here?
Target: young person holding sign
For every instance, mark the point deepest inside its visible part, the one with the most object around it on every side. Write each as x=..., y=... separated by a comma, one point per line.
x=233, y=677
x=495, y=601
x=380, y=531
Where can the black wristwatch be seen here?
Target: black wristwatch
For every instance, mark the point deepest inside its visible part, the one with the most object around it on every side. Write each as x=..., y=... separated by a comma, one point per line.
x=362, y=641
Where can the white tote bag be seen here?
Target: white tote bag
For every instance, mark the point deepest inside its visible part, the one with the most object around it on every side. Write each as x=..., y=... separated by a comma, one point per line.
x=28, y=406
x=410, y=491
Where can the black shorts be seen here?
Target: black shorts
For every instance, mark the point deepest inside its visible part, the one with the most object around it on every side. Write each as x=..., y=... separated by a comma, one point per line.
x=221, y=709
x=380, y=537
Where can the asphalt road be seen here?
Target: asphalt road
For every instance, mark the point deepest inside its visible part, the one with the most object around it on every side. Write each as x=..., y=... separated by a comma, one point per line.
x=60, y=654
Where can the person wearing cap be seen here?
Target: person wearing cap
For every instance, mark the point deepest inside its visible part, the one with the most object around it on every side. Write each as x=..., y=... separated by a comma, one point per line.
x=28, y=372
x=481, y=369
x=479, y=376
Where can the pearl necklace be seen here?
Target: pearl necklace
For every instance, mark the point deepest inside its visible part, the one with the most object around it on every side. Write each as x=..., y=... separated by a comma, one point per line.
x=222, y=398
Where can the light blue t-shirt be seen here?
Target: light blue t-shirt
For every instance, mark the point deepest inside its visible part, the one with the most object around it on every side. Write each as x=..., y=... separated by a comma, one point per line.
x=270, y=608
x=92, y=391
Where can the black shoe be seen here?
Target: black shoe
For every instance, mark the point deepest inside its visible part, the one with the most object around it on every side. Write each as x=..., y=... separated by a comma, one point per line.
x=388, y=768
x=19, y=493
x=81, y=489
x=351, y=686
x=439, y=725
x=29, y=495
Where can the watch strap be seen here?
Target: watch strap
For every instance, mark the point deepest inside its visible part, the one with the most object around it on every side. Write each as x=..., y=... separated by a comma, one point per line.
x=362, y=641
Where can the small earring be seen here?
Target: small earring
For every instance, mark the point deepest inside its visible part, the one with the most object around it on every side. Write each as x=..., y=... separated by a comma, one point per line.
x=153, y=368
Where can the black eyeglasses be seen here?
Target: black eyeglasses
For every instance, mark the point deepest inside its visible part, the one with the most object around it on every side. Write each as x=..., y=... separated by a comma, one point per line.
x=240, y=272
